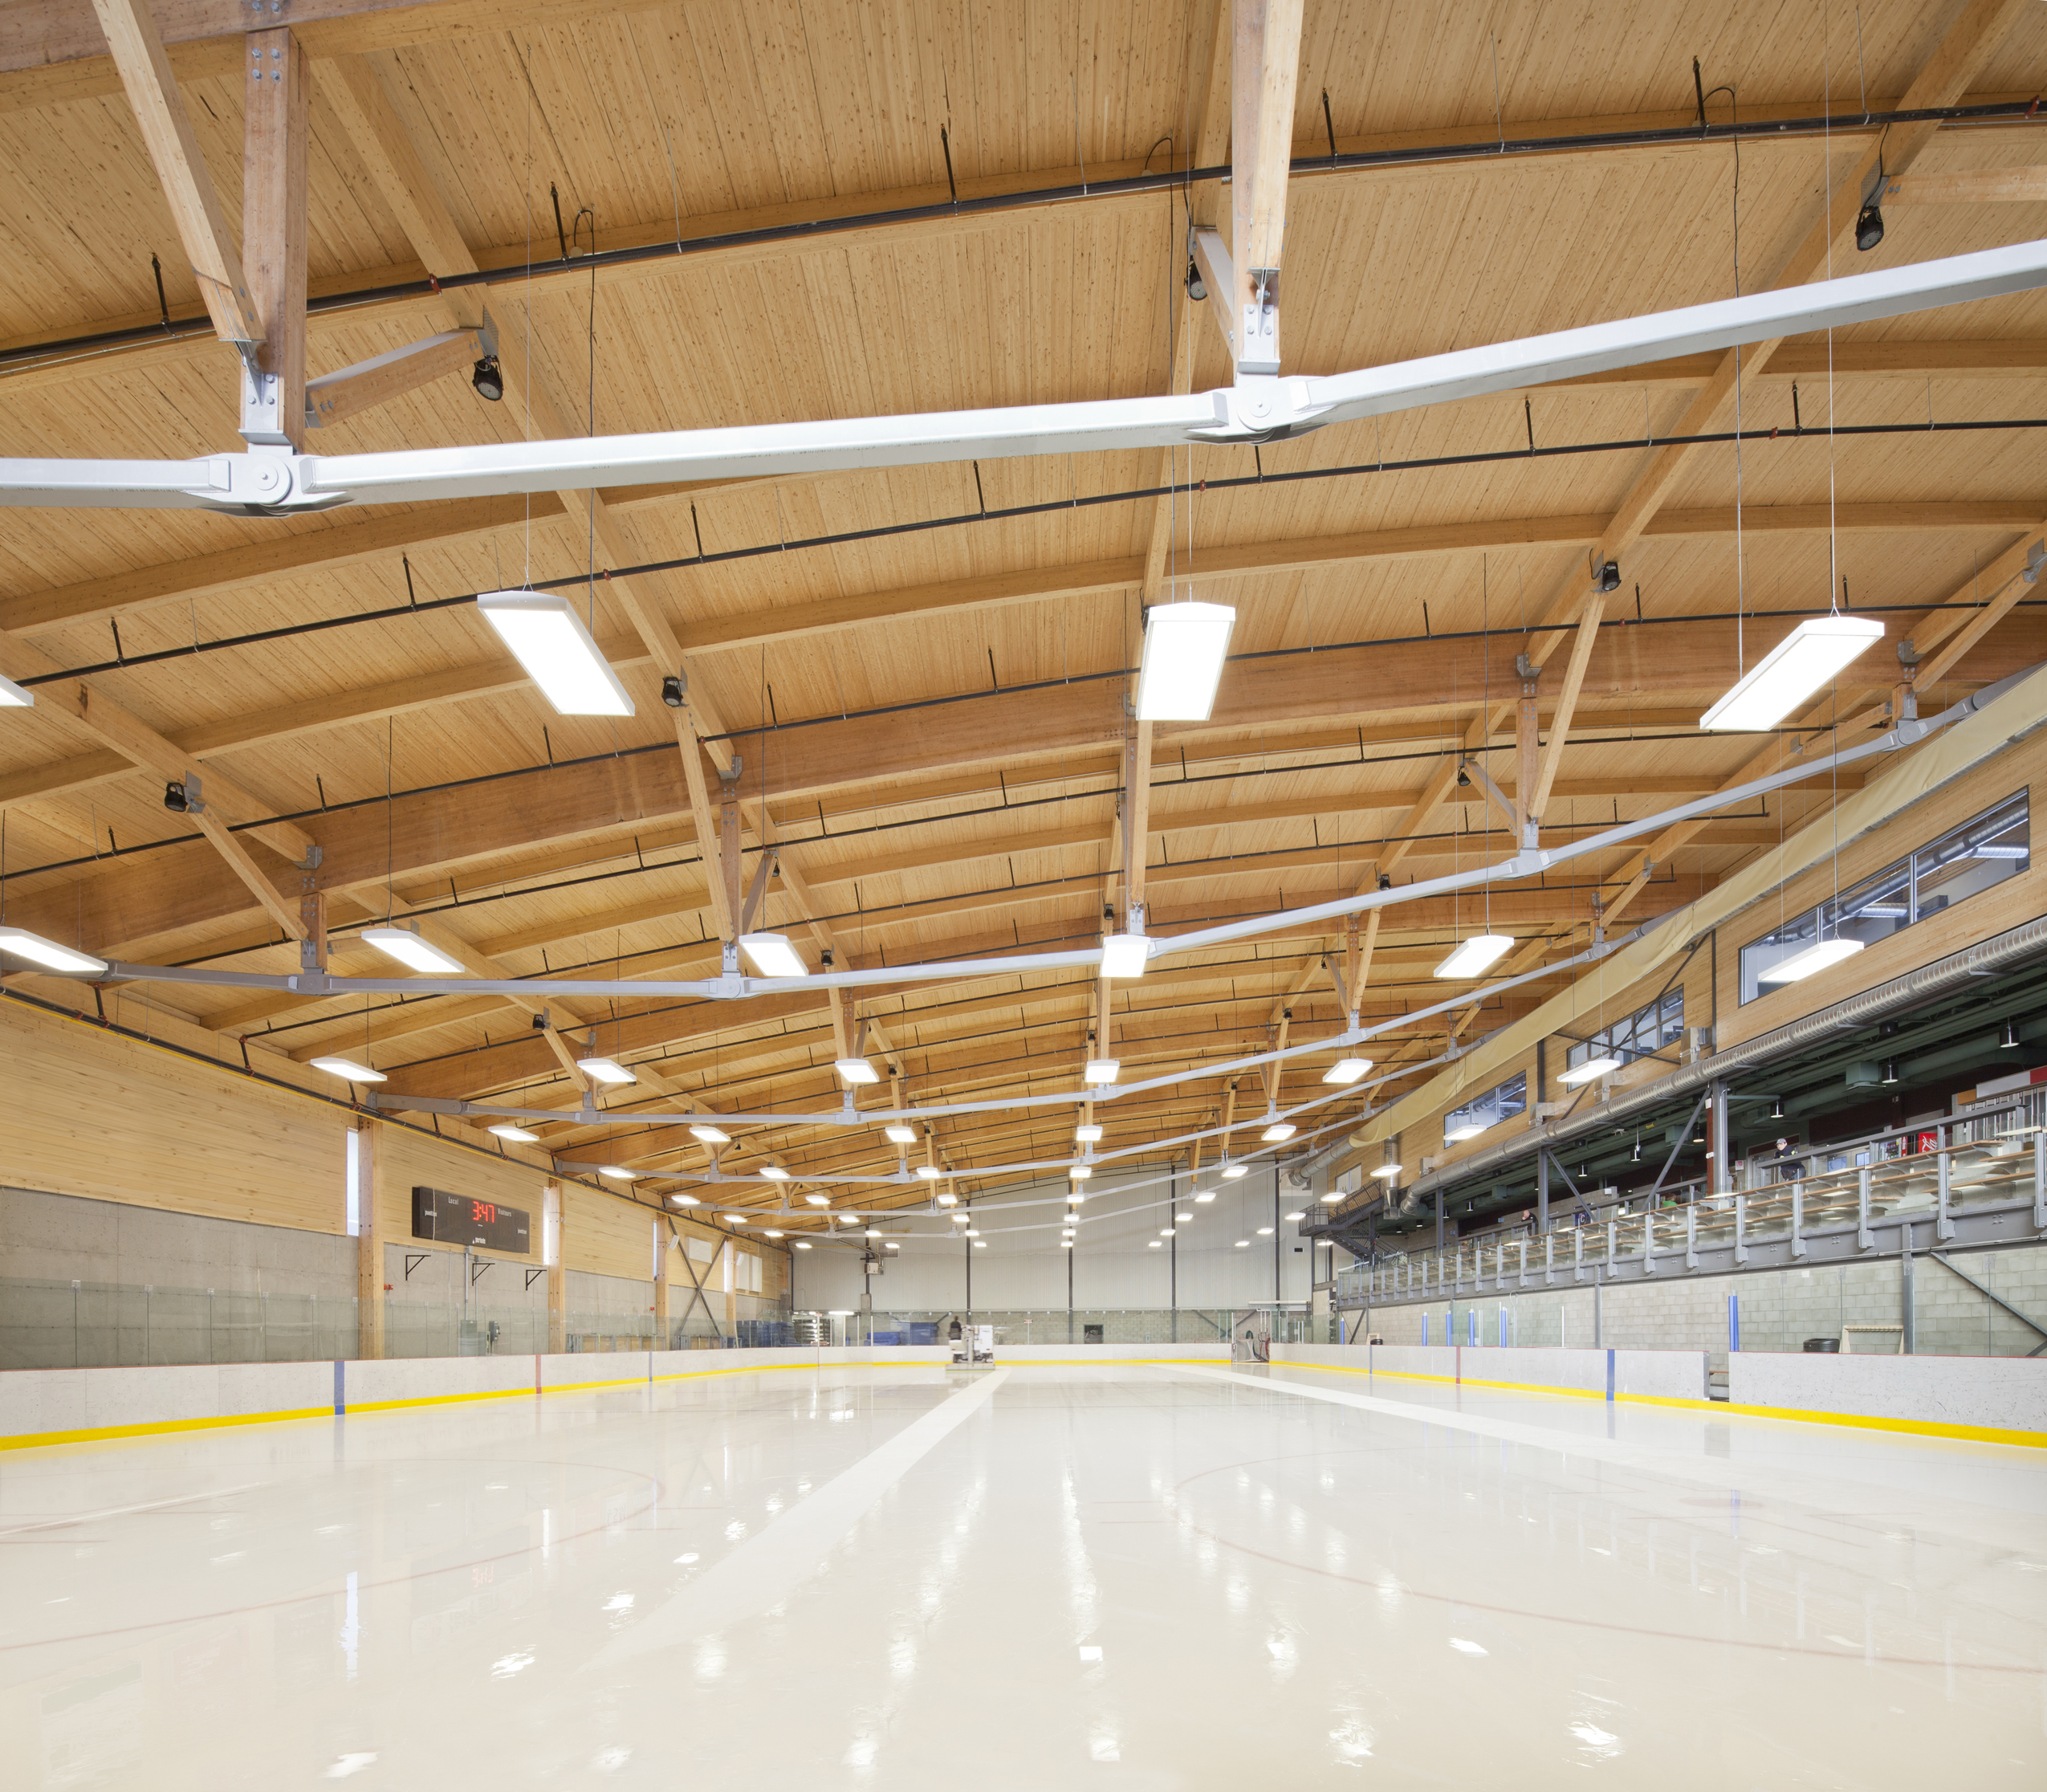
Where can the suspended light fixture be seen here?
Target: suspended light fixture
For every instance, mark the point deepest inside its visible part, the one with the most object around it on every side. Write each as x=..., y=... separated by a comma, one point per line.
x=683, y=1200
x=1457, y=1136
x=405, y=945
x=774, y=1172
x=1124, y=955
x=348, y=1069
x=772, y=955
x=1087, y=1133
x=856, y=1070
x=1279, y=1131
x=606, y=1070
x=1079, y=1172
x=516, y=1136
x=930, y=1172
x=1814, y=958
x=13, y=696
x=1591, y=1068
x=1346, y=1071
x=1186, y=645
x=708, y=1134
x=1798, y=665
x=948, y=1199
x=547, y=638
x=819, y=1200
x=1098, y=1071
x=19, y=943
x=1889, y=1070
x=618, y=1172
x=1475, y=957
x=898, y=1133
x=1232, y=1171
x=1390, y=1169
x=2010, y=1041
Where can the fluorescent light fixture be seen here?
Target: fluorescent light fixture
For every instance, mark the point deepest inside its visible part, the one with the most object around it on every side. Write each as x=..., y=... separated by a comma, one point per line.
x=772, y=955
x=819, y=1200
x=891, y=1245
x=1232, y=1171
x=1066, y=1244
x=971, y=1232
x=948, y=1199
x=801, y=1245
x=1801, y=965
x=547, y=638
x=1798, y=665
x=1087, y=1133
x=733, y=1219
x=1182, y=1218
x=1124, y=955
x=1470, y=1130
x=1591, y=1068
x=711, y=1135
x=1476, y=956
x=12, y=696
x=1079, y=1172
x=1264, y=1232
x=606, y=1070
x=1297, y=1217
x=1278, y=1131
x=19, y=943
x=1185, y=647
x=1244, y=1244
x=900, y=1134
x=1389, y=1170
x=347, y=1069
x=618, y=1172
x=874, y=1231
x=408, y=948
x=774, y=1172
x=1166, y=1232
x=930, y=1172
x=1101, y=1070
x=856, y=1070
x=1205, y=1194
x=1993, y=851
x=518, y=1135
x=1074, y=1198
x=961, y=1219
x=1155, y=1246
x=980, y=1243
x=683, y=1200
x=1346, y=1071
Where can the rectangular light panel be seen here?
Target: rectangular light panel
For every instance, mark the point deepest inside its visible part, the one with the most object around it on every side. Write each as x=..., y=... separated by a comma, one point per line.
x=408, y=948
x=1124, y=955
x=1346, y=1071
x=547, y=638
x=1586, y=1072
x=1813, y=958
x=19, y=943
x=1185, y=647
x=1476, y=956
x=1798, y=665
x=772, y=955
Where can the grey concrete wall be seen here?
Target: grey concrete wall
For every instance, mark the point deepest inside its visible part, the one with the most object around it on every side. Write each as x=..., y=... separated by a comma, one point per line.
x=66, y=1238
x=157, y=1287
x=1780, y=1309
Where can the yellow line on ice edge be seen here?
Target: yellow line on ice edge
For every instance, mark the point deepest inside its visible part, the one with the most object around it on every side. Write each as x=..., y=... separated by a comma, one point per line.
x=1913, y=1427
x=27, y=1440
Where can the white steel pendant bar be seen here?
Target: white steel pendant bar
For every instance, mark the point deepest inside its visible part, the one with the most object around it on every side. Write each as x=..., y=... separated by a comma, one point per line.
x=1259, y=408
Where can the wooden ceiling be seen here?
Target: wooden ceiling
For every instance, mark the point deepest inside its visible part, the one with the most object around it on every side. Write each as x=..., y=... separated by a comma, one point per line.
x=926, y=697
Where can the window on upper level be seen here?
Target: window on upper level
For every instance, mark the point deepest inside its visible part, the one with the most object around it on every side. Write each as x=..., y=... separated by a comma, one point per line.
x=1644, y=1032
x=1981, y=853
x=1501, y=1102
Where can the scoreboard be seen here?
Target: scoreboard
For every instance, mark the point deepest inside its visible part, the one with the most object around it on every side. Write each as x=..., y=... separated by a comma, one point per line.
x=460, y=1219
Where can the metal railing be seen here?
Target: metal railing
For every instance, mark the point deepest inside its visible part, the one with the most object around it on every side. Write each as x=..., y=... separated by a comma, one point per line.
x=1934, y=1176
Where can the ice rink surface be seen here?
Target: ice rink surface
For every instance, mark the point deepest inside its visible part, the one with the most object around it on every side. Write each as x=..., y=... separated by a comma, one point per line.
x=1030, y=1577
